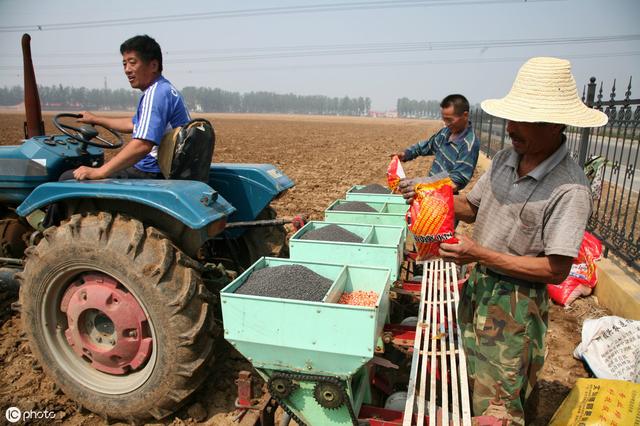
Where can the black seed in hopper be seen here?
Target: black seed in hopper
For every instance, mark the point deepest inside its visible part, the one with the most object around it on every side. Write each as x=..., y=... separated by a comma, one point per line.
x=331, y=233
x=373, y=188
x=286, y=282
x=354, y=206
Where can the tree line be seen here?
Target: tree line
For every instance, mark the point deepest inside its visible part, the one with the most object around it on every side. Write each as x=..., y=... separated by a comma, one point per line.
x=217, y=100
x=61, y=97
x=198, y=99
x=418, y=109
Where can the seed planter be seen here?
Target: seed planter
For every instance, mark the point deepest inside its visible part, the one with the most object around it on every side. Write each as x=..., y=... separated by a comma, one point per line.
x=312, y=340
x=380, y=198
x=386, y=214
x=382, y=245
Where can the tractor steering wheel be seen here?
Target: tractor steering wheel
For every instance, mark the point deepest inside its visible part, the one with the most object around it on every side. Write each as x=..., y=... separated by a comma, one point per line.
x=87, y=132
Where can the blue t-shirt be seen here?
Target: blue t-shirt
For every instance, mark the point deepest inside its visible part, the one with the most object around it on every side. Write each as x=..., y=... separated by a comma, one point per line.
x=160, y=109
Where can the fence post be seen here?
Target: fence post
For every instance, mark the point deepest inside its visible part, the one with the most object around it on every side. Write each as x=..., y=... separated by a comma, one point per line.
x=490, y=136
x=584, y=138
x=479, y=133
x=472, y=117
x=503, y=132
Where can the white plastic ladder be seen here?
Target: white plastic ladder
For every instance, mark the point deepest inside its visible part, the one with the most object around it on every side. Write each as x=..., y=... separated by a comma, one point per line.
x=435, y=344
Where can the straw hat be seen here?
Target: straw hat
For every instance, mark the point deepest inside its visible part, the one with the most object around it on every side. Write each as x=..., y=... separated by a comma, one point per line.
x=545, y=91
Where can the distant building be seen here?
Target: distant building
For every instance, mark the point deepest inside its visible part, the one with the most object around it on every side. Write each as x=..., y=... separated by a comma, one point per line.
x=385, y=114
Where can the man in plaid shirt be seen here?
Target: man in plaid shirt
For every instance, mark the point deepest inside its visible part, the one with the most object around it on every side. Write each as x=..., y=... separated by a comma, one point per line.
x=455, y=147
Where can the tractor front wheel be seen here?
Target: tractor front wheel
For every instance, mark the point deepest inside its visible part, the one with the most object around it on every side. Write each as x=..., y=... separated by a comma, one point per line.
x=117, y=316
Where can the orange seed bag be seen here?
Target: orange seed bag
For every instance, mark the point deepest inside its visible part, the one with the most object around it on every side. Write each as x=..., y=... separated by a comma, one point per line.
x=431, y=216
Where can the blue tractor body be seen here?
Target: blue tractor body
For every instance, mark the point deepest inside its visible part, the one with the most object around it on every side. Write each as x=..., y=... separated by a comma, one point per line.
x=39, y=160
x=236, y=192
x=193, y=203
x=248, y=187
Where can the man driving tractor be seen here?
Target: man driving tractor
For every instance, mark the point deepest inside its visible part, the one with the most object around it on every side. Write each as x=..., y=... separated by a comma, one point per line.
x=161, y=108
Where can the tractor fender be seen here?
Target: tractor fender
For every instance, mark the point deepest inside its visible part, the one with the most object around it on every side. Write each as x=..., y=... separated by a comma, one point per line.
x=248, y=187
x=192, y=203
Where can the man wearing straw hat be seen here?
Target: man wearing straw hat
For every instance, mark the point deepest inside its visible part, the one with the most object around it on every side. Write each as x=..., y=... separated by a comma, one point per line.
x=530, y=211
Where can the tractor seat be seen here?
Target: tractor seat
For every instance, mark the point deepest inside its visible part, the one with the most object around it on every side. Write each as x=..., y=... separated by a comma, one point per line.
x=185, y=152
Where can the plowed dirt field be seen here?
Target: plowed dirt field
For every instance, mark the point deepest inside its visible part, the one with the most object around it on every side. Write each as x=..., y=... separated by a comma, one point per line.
x=325, y=156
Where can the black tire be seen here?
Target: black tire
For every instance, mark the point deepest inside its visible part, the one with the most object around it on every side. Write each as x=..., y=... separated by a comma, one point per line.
x=13, y=233
x=263, y=241
x=8, y=292
x=12, y=236
x=166, y=284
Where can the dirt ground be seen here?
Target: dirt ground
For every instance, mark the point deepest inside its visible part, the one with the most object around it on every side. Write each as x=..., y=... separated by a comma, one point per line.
x=325, y=156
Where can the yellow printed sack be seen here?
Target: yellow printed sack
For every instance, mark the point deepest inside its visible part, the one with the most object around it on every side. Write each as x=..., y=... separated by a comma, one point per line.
x=600, y=402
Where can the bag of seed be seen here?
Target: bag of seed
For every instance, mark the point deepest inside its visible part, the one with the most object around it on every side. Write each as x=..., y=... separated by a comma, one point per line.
x=395, y=172
x=431, y=216
x=583, y=275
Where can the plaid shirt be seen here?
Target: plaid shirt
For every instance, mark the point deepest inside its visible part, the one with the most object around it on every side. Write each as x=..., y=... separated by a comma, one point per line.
x=458, y=158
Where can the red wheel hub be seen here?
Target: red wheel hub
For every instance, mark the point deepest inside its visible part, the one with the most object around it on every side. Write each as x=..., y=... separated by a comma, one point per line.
x=106, y=324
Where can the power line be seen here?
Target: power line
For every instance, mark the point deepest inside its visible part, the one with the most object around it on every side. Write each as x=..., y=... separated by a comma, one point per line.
x=419, y=62
x=386, y=63
x=355, y=49
x=242, y=13
x=377, y=46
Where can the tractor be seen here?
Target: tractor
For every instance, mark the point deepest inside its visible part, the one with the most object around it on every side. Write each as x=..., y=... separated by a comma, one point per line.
x=118, y=300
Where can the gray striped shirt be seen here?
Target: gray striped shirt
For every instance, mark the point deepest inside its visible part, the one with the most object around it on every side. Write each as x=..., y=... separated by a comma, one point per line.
x=542, y=213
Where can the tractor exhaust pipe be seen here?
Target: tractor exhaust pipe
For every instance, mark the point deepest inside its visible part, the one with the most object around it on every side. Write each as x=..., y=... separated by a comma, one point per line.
x=34, y=126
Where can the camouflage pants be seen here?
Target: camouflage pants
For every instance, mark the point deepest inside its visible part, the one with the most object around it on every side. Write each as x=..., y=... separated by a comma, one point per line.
x=503, y=323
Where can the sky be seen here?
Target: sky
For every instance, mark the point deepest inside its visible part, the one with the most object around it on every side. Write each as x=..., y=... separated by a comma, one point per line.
x=384, y=50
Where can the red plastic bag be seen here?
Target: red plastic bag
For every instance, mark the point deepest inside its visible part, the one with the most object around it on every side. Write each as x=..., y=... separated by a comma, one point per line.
x=395, y=172
x=583, y=276
x=431, y=216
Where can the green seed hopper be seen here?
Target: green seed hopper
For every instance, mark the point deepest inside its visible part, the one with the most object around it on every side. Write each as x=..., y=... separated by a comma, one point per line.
x=386, y=214
x=380, y=198
x=313, y=355
x=382, y=245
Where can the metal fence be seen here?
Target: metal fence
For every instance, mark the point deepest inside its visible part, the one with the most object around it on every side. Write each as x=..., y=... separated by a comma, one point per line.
x=615, y=218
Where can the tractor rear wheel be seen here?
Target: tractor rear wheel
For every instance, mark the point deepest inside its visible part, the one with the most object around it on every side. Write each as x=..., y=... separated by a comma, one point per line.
x=117, y=316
